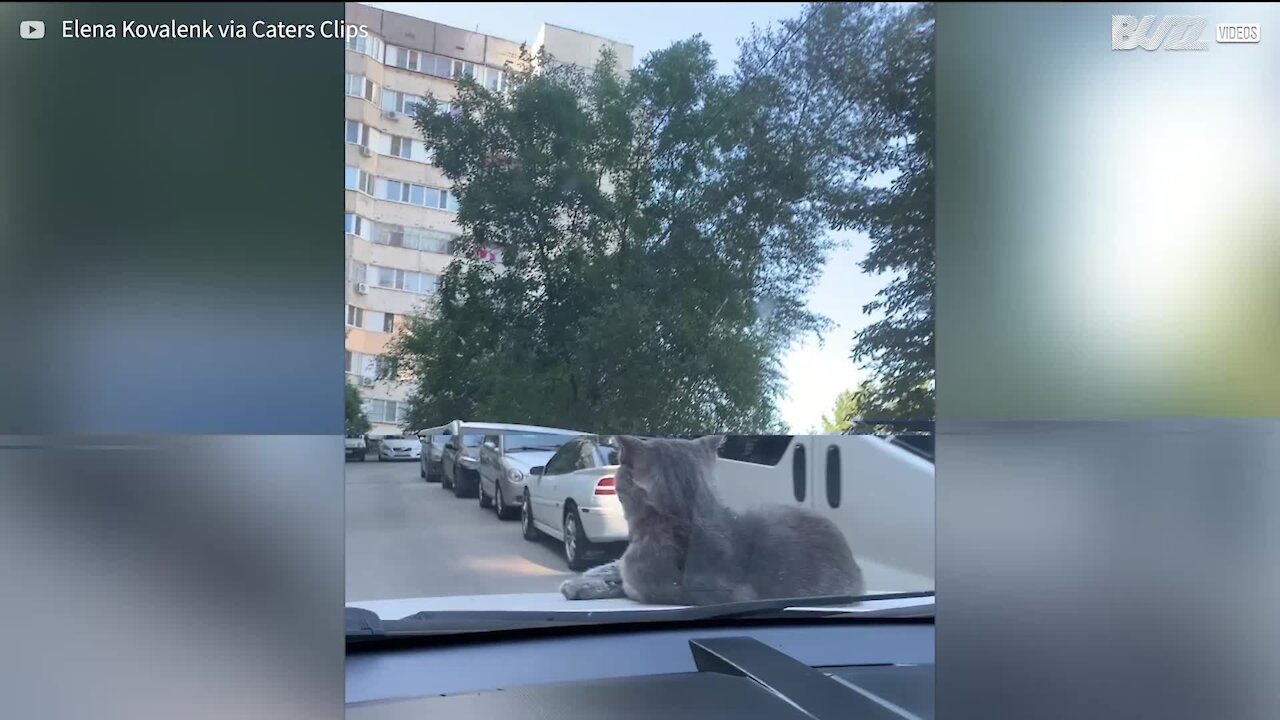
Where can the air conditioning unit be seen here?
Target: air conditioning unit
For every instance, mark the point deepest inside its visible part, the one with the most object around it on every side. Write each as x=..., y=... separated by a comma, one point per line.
x=366, y=151
x=362, y=288
x=390, y=114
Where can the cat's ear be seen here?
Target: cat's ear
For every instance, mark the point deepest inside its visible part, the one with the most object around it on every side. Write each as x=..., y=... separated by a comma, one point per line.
x=628, y=446
x=712, y=443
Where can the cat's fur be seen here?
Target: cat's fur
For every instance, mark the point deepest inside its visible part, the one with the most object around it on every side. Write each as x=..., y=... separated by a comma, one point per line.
x=686, y=547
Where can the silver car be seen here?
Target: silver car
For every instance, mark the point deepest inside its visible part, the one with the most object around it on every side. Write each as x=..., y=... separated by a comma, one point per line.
x=431, y=467
x=506, y=459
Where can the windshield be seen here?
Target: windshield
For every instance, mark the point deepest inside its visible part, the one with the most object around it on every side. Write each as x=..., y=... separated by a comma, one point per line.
x=605, y=454
x=517, y=442
x=663, y=255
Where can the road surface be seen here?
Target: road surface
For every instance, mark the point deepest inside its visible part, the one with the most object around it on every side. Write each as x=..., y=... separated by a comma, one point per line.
x=409, y=538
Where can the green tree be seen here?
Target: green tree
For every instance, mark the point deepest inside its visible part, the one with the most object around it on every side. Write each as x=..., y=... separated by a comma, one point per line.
x=865, y=406
x=865, y=73
x=357, y=421
x=643, y=225
x=842, y=414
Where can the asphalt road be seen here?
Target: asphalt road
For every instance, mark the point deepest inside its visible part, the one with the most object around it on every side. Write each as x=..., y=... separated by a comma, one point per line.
x=409, y=538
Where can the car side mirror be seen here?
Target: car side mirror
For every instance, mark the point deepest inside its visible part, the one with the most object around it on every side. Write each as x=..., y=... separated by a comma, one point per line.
x=537, y=469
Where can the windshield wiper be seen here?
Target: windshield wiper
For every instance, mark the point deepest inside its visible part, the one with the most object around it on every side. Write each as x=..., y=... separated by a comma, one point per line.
x=363, y=624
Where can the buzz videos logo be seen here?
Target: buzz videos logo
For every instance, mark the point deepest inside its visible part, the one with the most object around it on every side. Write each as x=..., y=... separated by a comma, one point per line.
x=1175, y=32
x=1171, y=32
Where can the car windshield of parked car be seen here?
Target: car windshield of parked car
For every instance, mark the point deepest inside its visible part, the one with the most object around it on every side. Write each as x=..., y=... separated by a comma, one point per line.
x=605, y=455
x=522, y=442
x=688, y=239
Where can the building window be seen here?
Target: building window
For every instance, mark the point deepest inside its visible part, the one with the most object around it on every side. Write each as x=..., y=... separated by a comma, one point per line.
x=443, y=67
x=402, y=147
x=358, y=179
x=396, y=101
x=392, y=190
x=358, y=226
x=354, y=133
x=438, y=66
x=355, y=316
x=388, y=322
x=422, y=62
x=357, y=272
x=397, y=191
x=495, y=80
x=370, y=45
x=386, y=411
x=406, y=280
x=412, y=238
x=403, y=58
x=361, y=87
x=365, y=366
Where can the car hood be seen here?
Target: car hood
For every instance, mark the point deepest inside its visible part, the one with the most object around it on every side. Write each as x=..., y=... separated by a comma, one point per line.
x=401, y=444
x=525, y=459
x=555, y=602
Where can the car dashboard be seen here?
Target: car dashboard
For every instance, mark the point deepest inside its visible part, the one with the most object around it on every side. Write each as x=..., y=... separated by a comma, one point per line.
x=872, y=669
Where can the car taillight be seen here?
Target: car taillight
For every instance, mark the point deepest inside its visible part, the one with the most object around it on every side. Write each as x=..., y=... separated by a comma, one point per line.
x=606, y=487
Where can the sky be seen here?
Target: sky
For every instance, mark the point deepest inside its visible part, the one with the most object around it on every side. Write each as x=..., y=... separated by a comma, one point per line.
x=820, y=368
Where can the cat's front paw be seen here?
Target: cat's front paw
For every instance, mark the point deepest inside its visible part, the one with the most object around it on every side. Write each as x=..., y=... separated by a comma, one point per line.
x=586, y=587
x=575, y=588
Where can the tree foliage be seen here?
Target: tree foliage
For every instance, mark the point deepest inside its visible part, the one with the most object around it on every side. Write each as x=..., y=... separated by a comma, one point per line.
x=642, y=224
x=357, y=423
x=659, y=230
x=866, y=72
x=865, y=409
x=842, y=414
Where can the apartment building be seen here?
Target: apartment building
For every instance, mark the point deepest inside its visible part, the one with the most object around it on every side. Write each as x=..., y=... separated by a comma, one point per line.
x=400, y=215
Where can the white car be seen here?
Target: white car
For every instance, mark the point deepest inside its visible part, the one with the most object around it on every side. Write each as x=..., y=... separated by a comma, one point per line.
x=573, y=499
x=398, y=447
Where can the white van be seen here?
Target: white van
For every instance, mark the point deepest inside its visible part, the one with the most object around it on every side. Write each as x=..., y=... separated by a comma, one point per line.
x=878, y=490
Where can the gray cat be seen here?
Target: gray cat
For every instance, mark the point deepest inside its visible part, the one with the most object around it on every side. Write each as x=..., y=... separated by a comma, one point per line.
x=686, y=547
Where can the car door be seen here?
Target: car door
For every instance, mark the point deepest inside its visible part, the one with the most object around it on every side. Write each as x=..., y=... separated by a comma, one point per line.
x=881, y=496
x=547, y=494
x=450, y=455
x=490, y=463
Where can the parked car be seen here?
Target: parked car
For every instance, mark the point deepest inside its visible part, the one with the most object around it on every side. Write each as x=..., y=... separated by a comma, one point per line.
x=506, y=459
x=398, y=447
x=355, y=447
x=573, y=498
x=432, y=456
x=460, y=463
